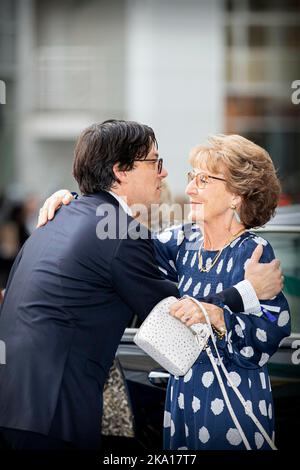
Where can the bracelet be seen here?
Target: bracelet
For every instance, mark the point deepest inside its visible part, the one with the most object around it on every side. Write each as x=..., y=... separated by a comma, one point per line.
x=220, y=332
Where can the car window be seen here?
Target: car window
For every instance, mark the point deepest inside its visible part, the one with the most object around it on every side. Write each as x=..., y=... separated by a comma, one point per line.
x=287, y=248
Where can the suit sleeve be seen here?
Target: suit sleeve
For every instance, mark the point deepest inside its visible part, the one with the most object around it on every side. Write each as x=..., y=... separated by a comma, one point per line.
x=136, y=277
x=11, y=274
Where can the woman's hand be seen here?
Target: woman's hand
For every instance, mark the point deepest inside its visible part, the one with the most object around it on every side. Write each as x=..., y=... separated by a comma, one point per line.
x=52, y=204
x=190, y=313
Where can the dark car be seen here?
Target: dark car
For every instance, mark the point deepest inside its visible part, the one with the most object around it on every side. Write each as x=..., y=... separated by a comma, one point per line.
x=142, y=382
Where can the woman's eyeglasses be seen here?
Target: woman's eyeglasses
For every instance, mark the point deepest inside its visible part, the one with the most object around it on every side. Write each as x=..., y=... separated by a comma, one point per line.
x=202, y=179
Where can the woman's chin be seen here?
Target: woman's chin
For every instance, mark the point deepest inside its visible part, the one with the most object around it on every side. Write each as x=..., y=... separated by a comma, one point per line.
x=196, y=216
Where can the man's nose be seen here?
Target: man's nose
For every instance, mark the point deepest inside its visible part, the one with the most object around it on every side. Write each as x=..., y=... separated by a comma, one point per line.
x=163, y=173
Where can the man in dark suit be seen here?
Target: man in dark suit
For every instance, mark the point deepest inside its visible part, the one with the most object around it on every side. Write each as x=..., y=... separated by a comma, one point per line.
x=75, y=285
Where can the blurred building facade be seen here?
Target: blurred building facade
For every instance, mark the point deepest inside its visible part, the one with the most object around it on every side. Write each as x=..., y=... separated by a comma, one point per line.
x=187, y=68
x=262, y=62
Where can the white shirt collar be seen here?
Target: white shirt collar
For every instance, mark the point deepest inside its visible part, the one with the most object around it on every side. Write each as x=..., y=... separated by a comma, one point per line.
x=122, y=203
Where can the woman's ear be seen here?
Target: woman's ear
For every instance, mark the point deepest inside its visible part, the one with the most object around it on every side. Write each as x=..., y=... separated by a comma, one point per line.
x=236, y=201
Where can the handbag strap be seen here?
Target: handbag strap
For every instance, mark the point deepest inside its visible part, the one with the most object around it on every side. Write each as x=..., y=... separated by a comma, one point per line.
x=246, y=406
x=225, y=395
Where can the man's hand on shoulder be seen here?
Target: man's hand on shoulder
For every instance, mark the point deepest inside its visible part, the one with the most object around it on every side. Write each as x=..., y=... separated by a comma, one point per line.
x=266, y=278
x=52, y=204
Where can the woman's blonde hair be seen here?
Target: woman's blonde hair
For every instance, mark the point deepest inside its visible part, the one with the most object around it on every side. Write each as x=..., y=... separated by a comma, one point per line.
x=249, y=173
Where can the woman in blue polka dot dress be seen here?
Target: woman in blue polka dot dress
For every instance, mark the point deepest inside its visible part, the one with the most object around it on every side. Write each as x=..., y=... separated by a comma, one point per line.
x=233, y=187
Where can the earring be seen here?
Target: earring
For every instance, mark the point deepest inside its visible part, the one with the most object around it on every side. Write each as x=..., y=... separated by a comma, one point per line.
x=235, y=213
x=237, y=217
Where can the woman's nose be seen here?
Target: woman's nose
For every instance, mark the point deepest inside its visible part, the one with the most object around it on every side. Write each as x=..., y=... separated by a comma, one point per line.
x=191, y=188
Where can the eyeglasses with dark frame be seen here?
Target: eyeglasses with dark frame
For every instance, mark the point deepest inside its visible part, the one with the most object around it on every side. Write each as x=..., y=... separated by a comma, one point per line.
x=159, y=162
x=201, y=179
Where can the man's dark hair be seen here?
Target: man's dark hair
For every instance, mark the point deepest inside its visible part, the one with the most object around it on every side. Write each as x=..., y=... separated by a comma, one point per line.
x=101, y=146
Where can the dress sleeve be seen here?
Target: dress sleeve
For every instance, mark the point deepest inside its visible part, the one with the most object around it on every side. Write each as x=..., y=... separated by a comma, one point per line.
x=166, y=246
x=253, y=338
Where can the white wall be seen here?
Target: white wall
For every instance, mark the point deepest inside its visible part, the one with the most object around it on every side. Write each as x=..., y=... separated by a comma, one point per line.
x=175, y=55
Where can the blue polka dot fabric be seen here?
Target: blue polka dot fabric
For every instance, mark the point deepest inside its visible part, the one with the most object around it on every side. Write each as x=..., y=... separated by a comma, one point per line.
x=196, y=416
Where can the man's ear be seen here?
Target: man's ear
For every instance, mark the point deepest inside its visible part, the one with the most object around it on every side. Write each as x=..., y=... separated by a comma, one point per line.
x=120, y=175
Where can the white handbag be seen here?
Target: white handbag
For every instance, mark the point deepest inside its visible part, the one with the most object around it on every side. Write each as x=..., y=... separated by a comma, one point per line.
x=176, y=347
x=167, y=340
